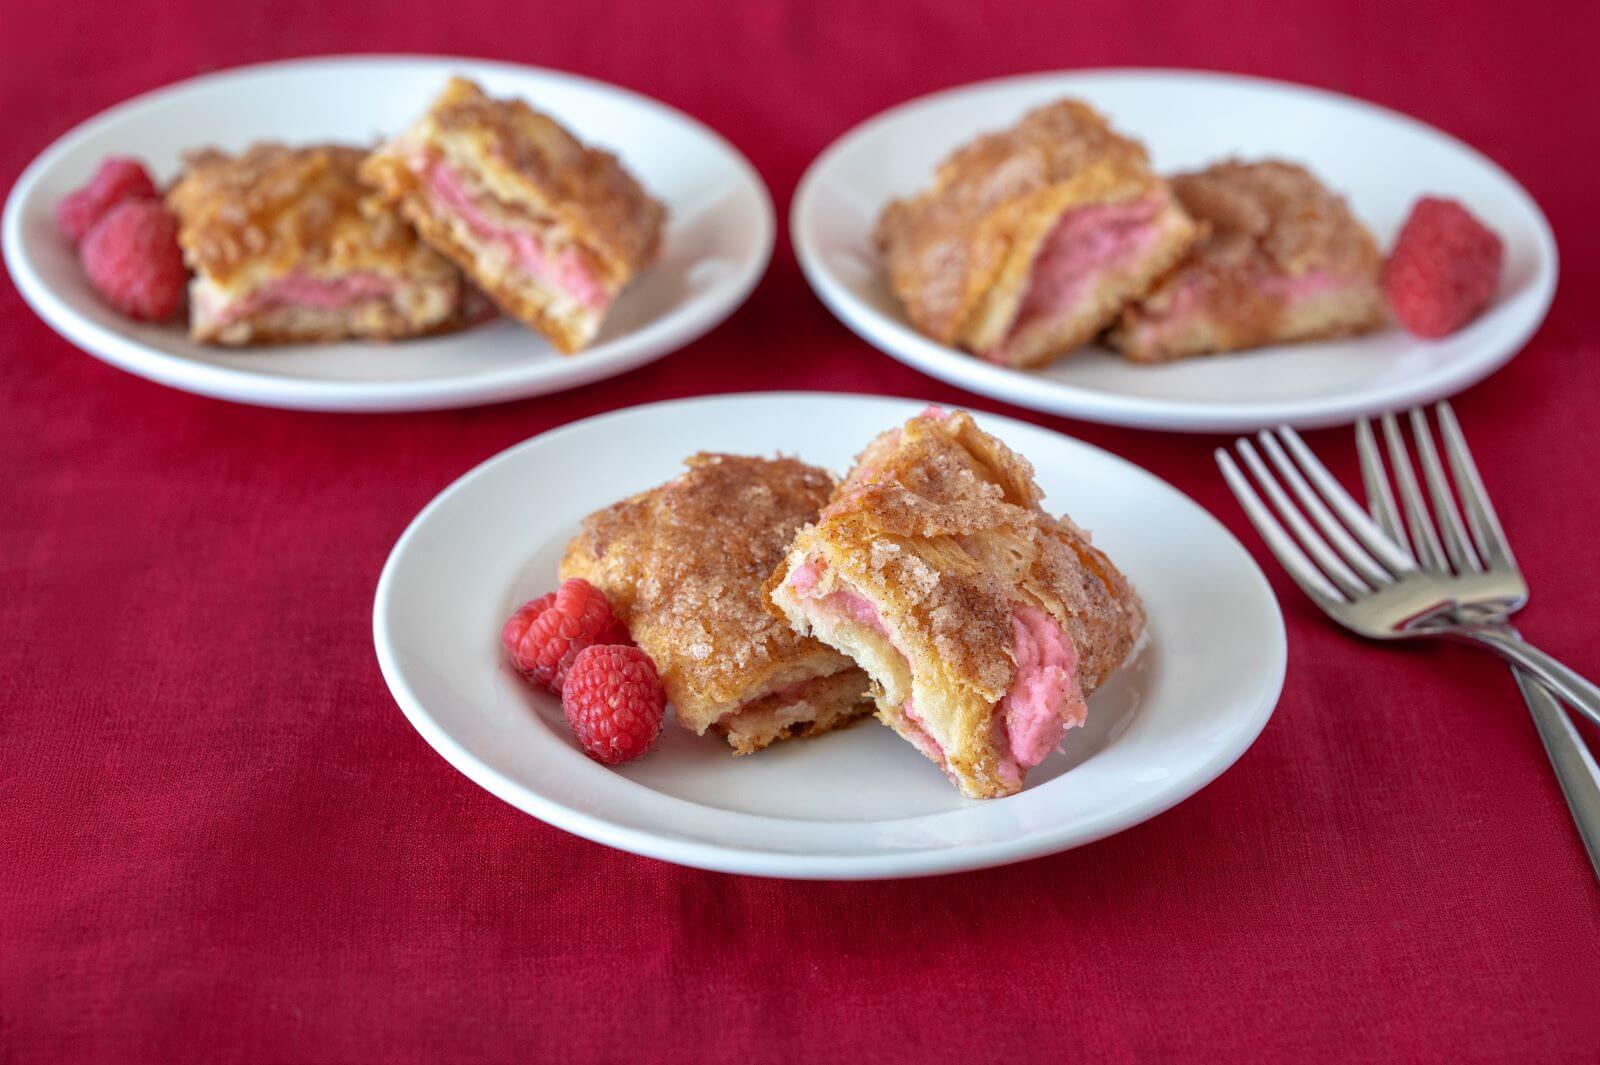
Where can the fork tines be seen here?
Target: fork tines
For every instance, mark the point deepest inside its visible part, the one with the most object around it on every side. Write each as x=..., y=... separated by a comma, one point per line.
x=1332, y=547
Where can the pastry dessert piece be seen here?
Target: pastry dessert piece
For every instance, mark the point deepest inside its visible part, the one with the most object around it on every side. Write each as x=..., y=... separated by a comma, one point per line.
x=287, y=245
x=550, y=229
x=1031, y=240
x=685, y=565
x=983, y=622
x=1282, y=259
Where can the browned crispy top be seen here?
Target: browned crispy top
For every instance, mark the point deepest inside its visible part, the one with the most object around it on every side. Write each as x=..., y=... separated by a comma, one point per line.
x=273, y=210
x=940, y=524
x=945, y=246
x=1274, y=216
x=528, y=158
x=684, y=565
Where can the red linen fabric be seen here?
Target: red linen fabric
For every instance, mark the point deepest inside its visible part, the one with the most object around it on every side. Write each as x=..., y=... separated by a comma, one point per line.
x=221, y=841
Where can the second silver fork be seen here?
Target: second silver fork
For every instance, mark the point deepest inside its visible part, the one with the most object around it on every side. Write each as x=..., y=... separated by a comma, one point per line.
x=1484, y=576
x=1362, y=572
x=1362, y=578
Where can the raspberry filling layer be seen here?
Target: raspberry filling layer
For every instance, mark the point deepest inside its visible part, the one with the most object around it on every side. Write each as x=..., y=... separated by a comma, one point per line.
x=1308, y=286
x=1198, y=295
x=1085, y=244
x=562, y=269
x=1044, y=700
x=302, y=290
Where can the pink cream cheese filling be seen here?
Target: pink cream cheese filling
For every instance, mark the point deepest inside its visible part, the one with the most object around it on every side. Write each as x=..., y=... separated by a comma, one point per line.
x=1044, y=700
x=302, y=290
x=1307, y=286
x=565, y=270
x=1084, y=244
x=1189, y=297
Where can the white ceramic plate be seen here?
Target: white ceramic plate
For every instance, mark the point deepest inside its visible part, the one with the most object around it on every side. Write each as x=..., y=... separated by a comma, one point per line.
x=858, y=803
x=1382, y=161
x=717, y=242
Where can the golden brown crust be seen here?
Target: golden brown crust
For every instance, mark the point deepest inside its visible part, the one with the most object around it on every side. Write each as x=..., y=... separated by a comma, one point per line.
x=275, y=210
x=939, y=528
x=959, y=254
x=683, y=566
x=533, y=174
x=1268, y=225
x=277, y=214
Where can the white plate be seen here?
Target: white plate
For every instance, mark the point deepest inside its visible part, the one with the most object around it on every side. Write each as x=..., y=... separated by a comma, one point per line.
x=717, y=242
x=859, y=803
x=1380, y=160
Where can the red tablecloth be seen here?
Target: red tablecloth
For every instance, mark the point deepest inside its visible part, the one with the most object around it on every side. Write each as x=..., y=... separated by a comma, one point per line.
x=221, y=841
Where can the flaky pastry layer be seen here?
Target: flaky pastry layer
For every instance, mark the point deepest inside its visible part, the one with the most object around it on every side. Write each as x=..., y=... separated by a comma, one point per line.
x=811, y=708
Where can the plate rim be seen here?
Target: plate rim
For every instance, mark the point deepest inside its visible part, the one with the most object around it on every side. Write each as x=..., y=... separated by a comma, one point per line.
x=654, y=340
x=700, y=854
x=899, y=341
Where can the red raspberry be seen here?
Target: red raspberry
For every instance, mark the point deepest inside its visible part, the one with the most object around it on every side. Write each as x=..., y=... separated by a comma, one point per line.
x=117, y=179
x=1444, y=269
x=132, y=257
x=544, y=636
x=614, y=702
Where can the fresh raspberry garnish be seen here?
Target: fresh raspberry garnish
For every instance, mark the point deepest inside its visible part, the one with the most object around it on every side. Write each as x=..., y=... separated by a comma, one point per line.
x=118, y=179
x=516, y=625
x=1444, y=269
x=544, y=636
x=132, y=257
x=614, y=702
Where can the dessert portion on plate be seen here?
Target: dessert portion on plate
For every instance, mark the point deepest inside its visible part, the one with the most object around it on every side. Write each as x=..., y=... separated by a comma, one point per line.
x=1031, y=240
x=1282, y=259
x=550, y=229
x=684, y=567
x=1036, y=239
x=286, y=245
x=771, y=603
x=283, y=244
x=984, y=622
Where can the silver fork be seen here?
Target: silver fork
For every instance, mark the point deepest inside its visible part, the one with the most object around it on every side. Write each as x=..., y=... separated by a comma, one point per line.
x=1486, y=592
x=1369, y=581
x=1363, y=579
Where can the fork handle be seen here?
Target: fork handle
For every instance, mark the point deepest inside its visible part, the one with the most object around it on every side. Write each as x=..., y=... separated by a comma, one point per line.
x=1581, y=694
x=1575, y=767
